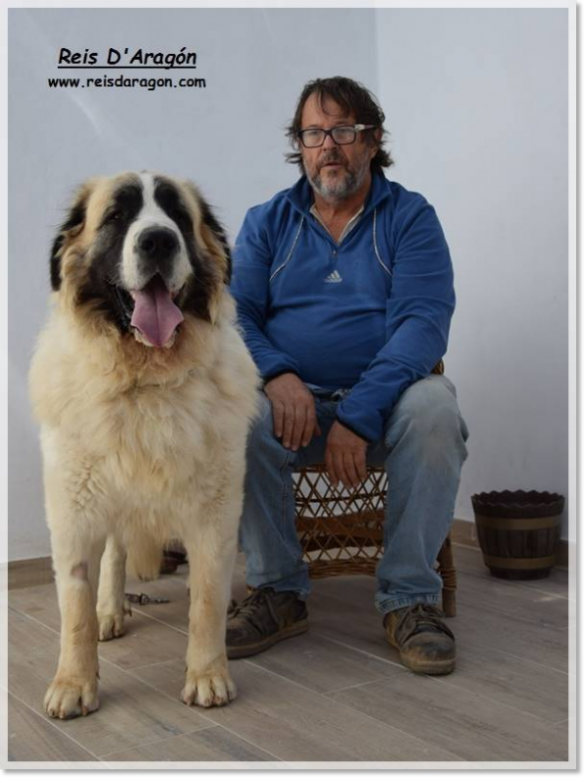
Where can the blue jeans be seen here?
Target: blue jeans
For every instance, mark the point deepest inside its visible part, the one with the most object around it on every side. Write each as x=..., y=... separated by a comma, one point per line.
x=423, y=449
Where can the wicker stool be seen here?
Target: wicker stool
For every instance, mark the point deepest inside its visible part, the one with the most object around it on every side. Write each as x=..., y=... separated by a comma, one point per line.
x=341, y=531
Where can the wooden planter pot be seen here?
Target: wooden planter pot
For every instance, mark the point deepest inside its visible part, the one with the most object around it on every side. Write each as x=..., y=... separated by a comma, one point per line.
x=518, y=532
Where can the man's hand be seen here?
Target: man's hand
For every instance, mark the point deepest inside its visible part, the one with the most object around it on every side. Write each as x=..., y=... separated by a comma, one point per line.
x=294, y=411
x=346, y=457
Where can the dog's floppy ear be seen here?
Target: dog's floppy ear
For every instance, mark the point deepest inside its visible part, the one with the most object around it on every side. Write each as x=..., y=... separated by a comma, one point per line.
x=216, y=228
x=72, y=227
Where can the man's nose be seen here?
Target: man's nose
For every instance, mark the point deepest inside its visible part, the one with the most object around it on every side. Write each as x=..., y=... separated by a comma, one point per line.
x=329, y=142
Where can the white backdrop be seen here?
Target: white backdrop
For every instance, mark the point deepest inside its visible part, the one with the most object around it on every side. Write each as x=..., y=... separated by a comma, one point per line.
x=476, y=104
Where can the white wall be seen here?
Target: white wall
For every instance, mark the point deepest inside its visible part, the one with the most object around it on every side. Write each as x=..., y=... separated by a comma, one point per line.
x=477, y=113
x=477, y=105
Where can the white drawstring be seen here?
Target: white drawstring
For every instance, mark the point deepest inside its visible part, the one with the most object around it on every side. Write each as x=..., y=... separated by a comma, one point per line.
x=291, y=251
x=377, y=255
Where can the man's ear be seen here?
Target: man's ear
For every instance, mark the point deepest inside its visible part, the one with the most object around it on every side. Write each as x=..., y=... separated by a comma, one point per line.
x=377, y=136
x=72, y=227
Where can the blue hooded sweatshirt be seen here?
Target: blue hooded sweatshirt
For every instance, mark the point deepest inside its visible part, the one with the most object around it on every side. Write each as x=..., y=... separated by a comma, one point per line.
x=371, y=314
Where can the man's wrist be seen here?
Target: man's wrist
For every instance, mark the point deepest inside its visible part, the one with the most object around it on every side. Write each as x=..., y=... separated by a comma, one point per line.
x=274, y=375
x=352, y=430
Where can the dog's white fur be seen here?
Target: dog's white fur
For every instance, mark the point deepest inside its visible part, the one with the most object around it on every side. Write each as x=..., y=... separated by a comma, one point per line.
x=139, y=445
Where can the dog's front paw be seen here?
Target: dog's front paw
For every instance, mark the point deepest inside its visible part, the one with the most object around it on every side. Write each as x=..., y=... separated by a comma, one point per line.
x=208, y=690
x=71, y=697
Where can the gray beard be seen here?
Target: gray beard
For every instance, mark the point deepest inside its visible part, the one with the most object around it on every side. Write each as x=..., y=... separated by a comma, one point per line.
x=340, y=190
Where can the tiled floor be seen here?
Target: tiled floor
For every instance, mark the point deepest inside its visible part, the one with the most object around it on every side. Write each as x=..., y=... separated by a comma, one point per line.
x=337, y=693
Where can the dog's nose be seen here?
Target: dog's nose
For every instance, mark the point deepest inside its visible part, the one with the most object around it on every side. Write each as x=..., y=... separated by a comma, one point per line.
x=158, y=245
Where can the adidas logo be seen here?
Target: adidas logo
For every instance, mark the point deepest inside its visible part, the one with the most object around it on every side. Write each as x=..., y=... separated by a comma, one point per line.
x=333, y=277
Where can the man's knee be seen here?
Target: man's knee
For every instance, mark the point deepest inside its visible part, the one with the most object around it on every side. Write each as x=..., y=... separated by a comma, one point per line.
x=427, y=411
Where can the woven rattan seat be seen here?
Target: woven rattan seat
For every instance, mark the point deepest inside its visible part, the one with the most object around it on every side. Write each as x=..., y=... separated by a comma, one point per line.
x=341, y=531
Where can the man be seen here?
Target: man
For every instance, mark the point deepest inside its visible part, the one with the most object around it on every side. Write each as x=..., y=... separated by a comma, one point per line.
x=344, y=289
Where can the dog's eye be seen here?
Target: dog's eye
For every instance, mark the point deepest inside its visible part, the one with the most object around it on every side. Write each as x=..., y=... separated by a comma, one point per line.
x=114, y=216
x=179, y=215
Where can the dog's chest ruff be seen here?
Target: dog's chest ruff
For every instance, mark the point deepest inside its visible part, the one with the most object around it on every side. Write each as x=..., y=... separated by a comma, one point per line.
x=158, y=441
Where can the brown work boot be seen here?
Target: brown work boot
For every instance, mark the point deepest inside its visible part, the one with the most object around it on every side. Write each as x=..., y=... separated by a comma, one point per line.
x=425, y=644
x=262, y=619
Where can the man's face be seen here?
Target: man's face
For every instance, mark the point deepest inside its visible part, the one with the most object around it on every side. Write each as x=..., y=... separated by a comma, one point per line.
x=335, y=172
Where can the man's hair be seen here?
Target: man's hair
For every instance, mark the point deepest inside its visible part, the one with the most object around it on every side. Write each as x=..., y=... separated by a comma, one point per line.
x=353, y=98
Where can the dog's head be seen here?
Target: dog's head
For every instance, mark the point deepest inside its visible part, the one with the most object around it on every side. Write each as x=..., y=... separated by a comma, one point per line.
x=141, y=252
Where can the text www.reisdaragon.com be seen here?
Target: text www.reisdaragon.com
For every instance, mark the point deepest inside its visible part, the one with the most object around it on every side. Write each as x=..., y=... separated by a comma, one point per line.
x=126, y=82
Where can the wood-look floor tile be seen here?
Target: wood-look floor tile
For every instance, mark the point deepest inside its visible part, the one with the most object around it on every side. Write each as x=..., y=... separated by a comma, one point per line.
x=40, y=603
x=527, y=640
x=318, y=663
x=213, y=744
x=527, y=686
x=32, y=738
x=469, y=725
x=296, y=724
x=490, y=594
x=145, y=642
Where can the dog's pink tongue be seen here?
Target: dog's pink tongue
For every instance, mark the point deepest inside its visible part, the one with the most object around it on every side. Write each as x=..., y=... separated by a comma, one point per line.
x=155, y=314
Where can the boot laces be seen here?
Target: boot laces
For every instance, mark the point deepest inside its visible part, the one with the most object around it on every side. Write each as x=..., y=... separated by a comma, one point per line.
x=421, y=618
x=251, y=610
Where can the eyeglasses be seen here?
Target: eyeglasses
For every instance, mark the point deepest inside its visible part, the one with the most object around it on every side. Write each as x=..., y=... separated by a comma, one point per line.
x=341, y=135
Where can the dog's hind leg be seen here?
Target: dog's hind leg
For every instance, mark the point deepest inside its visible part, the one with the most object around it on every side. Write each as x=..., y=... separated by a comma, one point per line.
x=76, y=560
x=145, y=554
x=111, y=607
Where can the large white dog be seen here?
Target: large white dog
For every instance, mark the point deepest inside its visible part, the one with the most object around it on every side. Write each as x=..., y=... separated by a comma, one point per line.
x=145, y=392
